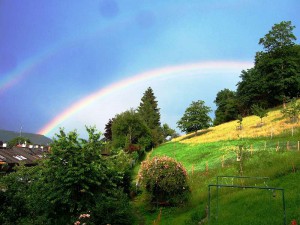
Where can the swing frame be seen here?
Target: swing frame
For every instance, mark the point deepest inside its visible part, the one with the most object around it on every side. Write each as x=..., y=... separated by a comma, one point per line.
x=241, y=187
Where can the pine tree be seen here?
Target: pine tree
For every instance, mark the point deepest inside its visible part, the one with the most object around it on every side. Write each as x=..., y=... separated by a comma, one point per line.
x=149, y=112
x=108, y=132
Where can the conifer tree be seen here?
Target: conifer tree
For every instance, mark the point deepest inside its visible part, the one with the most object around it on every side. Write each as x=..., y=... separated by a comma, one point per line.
x=149, y=112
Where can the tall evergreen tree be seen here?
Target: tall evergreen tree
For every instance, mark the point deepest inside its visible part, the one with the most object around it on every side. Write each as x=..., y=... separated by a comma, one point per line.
x=108, y=131
x=149, y=112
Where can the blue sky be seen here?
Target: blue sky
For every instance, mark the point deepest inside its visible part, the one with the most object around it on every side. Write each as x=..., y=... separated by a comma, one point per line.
x=54, y=53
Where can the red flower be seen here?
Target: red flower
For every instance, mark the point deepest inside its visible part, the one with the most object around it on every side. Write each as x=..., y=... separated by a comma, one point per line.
x=294, y=222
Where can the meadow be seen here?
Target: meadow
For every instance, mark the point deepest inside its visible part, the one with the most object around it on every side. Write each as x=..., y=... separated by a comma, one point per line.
x=268, y=155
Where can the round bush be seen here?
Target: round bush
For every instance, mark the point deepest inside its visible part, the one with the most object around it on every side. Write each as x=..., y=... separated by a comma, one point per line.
x=165, y=179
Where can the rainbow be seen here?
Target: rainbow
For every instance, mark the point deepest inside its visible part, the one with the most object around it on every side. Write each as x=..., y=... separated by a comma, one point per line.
x=29, y=65
x=194, y=68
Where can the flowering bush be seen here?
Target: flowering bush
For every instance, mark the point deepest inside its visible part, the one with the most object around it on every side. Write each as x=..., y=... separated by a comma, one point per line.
x=165, y=179
x=82, y=219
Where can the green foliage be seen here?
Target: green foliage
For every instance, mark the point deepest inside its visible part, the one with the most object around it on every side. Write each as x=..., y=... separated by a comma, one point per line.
x=148, y=109
x=250, y=90
x=149, y=112
x=275, y=75
x=74, y=179
x=168, y=132
x=292, y=111
x=227, y=108
x=113, y=209
x=21, y=200
x=108, y=132
x=76, y=172
x=129, y=129
x=259, y=111
x=18, y=140
x=195, y=117
x=240, y=121
x=165, y=179
x=280, y=36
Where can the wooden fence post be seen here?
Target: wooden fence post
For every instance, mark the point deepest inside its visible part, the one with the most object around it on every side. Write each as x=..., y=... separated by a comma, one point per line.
x=222, y=161
x=287, y=145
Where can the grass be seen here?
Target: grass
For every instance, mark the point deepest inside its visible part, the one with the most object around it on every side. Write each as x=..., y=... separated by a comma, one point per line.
x=214, y=153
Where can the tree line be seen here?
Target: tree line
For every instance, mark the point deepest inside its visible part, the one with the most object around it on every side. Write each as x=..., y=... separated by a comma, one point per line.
x=274, y=79
x=138, y=130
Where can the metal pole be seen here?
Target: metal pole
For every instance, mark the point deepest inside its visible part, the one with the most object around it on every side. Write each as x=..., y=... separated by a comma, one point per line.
x=245, y=187
x=217, y=213
x=284, y=214
x=208, y=214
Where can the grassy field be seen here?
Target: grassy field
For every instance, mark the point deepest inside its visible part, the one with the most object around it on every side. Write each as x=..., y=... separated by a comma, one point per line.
x=269, y=151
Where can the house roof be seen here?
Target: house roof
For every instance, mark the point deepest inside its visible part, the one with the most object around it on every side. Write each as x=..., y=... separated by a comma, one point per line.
x=17, y=155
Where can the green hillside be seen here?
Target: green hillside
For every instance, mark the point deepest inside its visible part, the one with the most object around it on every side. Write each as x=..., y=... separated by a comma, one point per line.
x=271, y=162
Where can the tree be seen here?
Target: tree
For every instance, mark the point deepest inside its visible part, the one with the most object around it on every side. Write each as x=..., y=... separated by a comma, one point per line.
x=260, y=112
x=280, y=36
x=129, y=129
x=149, y=112
x=275, y=75
x=292, y=111
x=17, y=141
x=108, y=131
x=240, y=122
x=72, y=180
x=279, y=63
x=77, y=179
x=252, y=89
x=168, y=132
x=148, y=109
x=227, y=108
x=195, y=117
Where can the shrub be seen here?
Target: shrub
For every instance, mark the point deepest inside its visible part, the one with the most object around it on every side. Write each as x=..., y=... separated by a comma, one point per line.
x=165, y=180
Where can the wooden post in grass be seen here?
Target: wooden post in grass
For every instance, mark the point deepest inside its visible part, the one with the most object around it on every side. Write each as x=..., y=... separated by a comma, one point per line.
x=271, y=133
x=287, y=145
x=294, y=168
x=277, y=147
x=222, y=161
x=251, y=149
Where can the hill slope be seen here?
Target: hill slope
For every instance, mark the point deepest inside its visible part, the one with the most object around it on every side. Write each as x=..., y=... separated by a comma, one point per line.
x=271, y=151
x=38, y=139
x=273, y=124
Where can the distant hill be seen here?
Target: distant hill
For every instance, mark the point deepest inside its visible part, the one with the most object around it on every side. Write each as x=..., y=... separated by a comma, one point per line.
x=38, y=139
